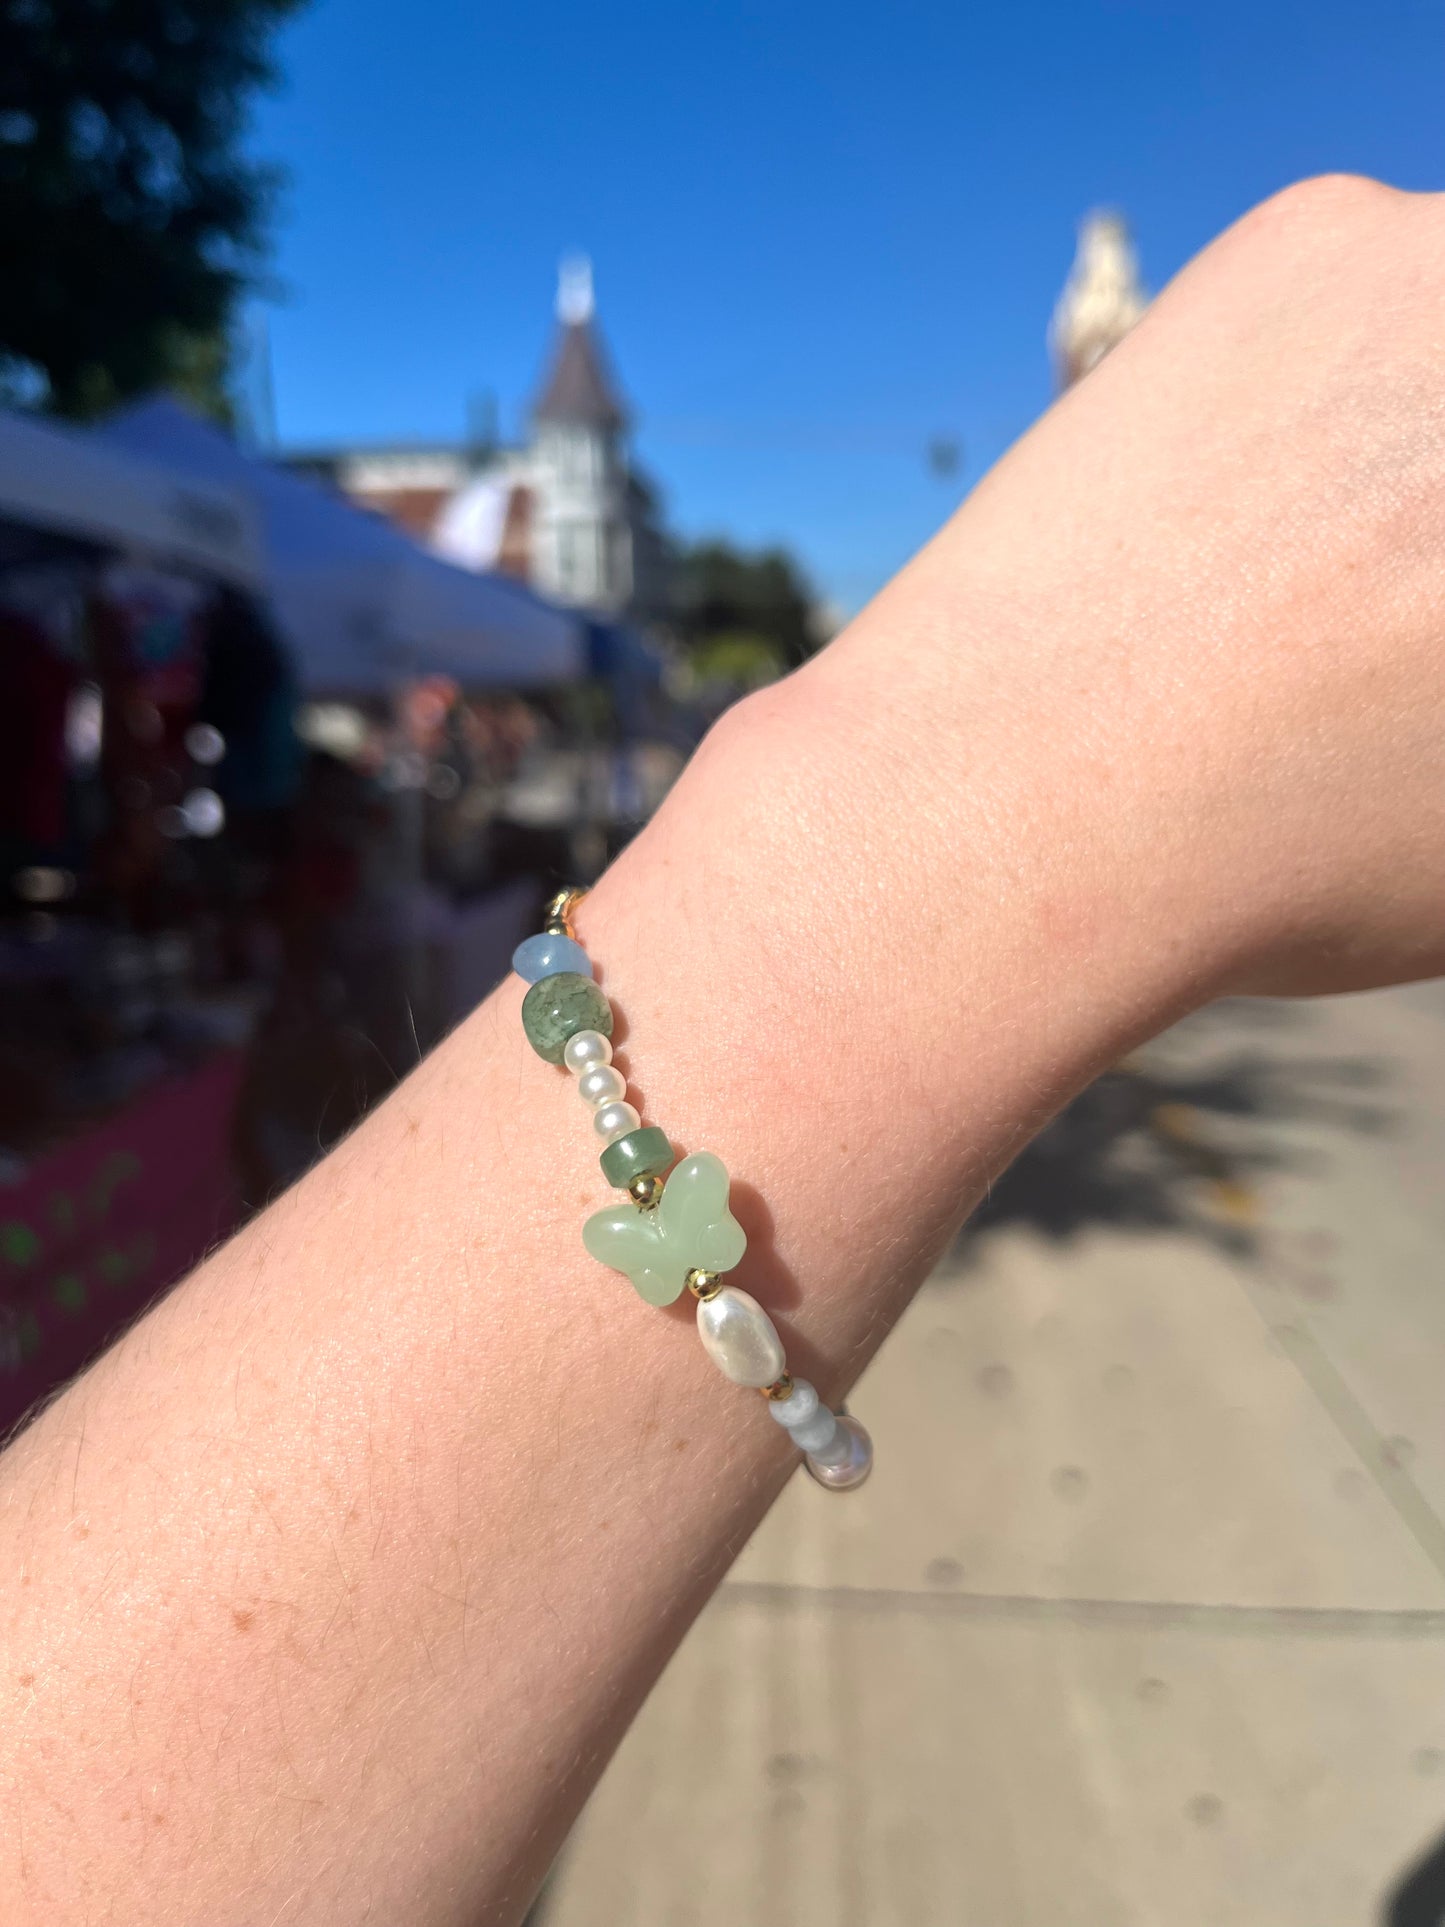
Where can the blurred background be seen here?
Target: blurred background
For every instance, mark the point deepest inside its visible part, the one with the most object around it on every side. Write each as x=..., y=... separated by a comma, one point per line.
x=416, y=426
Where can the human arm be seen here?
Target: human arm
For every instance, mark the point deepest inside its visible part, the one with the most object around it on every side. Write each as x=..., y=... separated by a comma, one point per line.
x=330, y=1588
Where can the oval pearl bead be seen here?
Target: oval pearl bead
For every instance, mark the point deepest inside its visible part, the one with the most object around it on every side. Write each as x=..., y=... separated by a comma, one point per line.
x=543, y=956
x=849, y=1471
x=738, y=1336
x=602, y=1084
x=614, y=1120
x=797, y=1408
x=584, y=1049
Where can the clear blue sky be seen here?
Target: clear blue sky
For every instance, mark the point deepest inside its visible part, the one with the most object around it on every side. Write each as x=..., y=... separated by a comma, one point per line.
x=822, y=233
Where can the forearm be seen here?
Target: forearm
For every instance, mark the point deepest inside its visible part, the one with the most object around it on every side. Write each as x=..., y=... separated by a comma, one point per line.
x=326, y=1594
x=333, y=1585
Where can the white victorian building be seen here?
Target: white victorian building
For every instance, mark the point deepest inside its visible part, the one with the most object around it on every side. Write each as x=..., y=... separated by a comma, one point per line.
x=566, y=511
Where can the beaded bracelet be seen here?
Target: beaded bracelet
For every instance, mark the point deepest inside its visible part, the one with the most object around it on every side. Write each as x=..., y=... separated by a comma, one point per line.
x=677, y=1233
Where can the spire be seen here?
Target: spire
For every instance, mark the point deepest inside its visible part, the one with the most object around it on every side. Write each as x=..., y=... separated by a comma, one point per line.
x=1102, y=298
x=580, y=388
x=575, y=299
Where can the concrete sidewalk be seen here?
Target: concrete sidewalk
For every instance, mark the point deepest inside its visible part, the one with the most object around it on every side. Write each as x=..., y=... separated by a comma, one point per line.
x=1142, y=1616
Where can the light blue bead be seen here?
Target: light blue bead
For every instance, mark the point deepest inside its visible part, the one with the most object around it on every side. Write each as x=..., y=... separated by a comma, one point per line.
x=543, y=956
x=800, y=1406
x=818, y=1434
x=836, y=1451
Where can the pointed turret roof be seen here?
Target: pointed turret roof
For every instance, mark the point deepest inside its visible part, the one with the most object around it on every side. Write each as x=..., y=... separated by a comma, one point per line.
x=580, y=387
x=1102, y=299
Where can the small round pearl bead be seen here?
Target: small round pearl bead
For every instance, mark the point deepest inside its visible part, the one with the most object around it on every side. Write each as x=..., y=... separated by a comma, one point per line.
x=614, y=1120
x=584, y=1049
x=602, y=1084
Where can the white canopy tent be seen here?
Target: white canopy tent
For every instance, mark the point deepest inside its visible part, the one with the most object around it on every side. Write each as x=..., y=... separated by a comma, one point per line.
x=70, y=483
x=362, y=606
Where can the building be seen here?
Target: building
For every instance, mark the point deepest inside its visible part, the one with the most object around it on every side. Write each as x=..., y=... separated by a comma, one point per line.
x=1102, y=298
x=567, y=510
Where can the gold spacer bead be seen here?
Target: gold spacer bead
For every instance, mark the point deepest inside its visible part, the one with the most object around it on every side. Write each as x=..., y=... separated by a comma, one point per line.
x=780, y=1387
x=558, y=920
x=704, y=1284
x=645, y=1192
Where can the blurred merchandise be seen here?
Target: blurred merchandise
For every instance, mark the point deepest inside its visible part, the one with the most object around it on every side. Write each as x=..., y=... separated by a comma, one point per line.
x=94, y=1229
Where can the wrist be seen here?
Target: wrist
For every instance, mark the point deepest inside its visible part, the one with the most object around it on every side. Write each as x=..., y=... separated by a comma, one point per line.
x=836, y=953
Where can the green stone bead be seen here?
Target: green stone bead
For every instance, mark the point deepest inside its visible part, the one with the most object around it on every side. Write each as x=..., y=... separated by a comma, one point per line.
x=689, y=1229
x=556, y=1008
x=641, y=1154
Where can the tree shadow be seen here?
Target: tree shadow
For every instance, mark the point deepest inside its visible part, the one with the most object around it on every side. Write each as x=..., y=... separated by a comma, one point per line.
x=1182, y=1136
x=1418, y=1897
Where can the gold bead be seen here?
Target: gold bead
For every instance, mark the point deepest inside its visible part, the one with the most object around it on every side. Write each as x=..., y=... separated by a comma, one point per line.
x=558, y=920
x=780, y=1387
x=645, y=1191
x=704, y=1284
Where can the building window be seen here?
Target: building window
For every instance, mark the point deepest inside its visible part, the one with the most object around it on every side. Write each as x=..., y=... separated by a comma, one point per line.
x=566, y=556
x=576, y=559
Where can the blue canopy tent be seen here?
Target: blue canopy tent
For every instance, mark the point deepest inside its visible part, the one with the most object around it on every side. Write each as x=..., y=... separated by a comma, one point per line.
x=72, y=485
x=361, y=606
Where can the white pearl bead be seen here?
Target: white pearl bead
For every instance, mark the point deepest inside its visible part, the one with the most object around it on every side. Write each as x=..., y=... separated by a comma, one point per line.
x=739, y=1337
x=797, y=1408
x=601, y=1084
x=852, y=1470
x=614, y=1120
x=584, y=1048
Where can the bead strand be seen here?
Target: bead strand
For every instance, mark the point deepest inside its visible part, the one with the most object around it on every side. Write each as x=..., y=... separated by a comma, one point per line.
x=680, y=1234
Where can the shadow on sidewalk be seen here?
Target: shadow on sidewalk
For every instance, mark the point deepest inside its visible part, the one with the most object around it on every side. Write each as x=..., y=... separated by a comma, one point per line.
x=1181, y=1136
x=1418, y=1900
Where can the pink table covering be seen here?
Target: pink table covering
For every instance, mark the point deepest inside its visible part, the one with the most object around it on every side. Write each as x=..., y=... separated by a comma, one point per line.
x=95, y=1229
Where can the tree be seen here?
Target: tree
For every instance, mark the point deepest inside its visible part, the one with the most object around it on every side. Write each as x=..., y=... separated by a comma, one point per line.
x=129, y=218
x=728, y=596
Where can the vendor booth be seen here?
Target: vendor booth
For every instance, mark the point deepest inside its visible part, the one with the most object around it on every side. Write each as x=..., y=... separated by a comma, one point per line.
x=120, y=1049
x=256, y=754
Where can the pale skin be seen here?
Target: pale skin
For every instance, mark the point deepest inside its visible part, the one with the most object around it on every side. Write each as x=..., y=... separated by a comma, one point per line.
x=326, y=1594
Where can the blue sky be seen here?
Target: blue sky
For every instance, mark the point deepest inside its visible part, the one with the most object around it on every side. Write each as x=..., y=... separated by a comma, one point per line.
x=822, y=233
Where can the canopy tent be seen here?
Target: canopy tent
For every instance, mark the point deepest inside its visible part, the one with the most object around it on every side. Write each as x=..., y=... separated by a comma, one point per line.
x=71, y=484
x=634, y=670
x=361, y=605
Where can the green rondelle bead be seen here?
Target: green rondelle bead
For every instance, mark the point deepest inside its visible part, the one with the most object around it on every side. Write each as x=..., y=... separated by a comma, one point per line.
x=557, y=1007
x=641, y=1154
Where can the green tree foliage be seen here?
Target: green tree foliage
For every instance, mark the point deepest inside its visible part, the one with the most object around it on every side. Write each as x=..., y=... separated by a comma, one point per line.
x=728, y=596
x=129, y=217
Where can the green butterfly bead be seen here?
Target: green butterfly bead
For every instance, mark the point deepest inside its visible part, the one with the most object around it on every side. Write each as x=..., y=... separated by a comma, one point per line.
x=690, y=1228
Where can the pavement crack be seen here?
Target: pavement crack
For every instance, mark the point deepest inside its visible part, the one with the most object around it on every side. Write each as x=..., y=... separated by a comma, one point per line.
x=1185, y=1615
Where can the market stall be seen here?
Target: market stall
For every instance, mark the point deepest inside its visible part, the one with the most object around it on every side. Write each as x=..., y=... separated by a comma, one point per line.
x=251, y=739
x=121, y=1032
x=431, y=678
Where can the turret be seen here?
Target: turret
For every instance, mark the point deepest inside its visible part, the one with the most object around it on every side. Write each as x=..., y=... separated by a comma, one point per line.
x=1102, y=299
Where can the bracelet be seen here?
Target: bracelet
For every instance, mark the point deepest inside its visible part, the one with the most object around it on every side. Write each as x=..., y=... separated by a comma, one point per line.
x=677, y=1232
